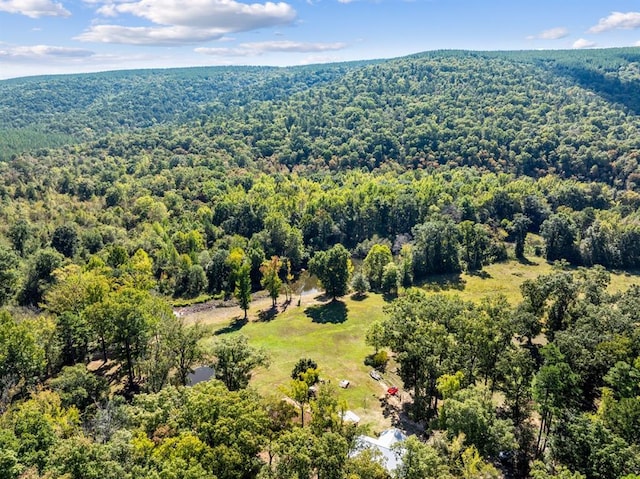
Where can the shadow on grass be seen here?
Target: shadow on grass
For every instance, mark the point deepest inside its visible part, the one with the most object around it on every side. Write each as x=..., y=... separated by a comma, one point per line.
x=334, y=312
x=267, y=315
x=443, y=282
x=236, y=324
x=113, y=372
x=286, y=304
x=359, y=297
x=389, y=297
x=527, y=262
x=479, y=274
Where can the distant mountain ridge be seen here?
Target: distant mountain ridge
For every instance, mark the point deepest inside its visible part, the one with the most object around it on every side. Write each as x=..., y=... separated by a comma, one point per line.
x=527, y=112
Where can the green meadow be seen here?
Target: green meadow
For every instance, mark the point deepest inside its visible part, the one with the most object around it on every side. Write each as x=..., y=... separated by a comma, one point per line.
x=333, y=333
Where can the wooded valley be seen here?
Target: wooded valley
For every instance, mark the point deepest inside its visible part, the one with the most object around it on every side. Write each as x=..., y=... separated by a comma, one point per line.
x=126, y=195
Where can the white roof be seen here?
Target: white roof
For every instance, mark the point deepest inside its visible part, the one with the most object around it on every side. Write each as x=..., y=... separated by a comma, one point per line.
x=350, y=416
x=391, y=458
x=389, y=437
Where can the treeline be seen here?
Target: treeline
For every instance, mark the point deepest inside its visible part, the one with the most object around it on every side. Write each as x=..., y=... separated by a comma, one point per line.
x=527, y=118
x=194, y=215
x=197, y=219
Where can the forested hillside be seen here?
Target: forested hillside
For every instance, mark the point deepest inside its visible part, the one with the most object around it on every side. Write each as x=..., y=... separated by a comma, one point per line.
x=49, y=111
x=121, y=193
x=527, y=112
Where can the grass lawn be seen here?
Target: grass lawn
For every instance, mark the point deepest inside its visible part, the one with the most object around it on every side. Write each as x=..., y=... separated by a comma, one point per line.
x=506, y=278
x=499, y=278
x=623, y=280
x=333, y=334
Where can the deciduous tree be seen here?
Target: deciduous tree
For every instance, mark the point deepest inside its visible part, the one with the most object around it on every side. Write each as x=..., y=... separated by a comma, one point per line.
x=243, y=288
x=271, y=278
x=373, y=266
x=235, y=360
x=333, y=268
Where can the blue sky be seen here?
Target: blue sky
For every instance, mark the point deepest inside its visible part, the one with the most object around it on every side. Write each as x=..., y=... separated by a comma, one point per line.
x=65, y=36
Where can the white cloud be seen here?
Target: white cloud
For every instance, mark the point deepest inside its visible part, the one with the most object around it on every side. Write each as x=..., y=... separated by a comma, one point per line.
x=289, y=46
x=108, y=2
x=260, y=48
x=617, y=20
x=222, y=51
x=227, y=14
x=583, y=43
x=20, y=61
x=34, y=8
x=41, y=52
x=554, y=33
x=551, y=34
x=173, y=35
x=108, y=10
x=178, y=22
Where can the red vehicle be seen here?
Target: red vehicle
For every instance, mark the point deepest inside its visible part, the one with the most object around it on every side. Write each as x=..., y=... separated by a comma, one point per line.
x=393, y=390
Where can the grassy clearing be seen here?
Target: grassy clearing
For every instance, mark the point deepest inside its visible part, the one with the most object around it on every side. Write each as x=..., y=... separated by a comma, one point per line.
x=330, y=333
x=623, y=280
x=333, y=333
x=499, y=278
x=506, y=278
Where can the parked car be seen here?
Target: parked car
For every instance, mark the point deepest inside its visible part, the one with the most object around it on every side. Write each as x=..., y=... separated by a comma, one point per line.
x=375, y=375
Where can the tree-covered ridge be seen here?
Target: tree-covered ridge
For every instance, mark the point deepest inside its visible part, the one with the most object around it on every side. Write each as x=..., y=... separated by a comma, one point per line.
x=88, y=106
x=522, y=112
x=497, y=112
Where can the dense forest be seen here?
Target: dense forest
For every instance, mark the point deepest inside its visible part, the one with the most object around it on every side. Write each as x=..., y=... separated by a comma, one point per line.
x=123, y=193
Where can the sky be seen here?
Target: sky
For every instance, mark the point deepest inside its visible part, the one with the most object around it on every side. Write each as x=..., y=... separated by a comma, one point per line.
x=71, y=36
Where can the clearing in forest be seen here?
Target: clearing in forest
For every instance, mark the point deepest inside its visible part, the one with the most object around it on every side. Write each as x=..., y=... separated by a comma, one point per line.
x=333, y=333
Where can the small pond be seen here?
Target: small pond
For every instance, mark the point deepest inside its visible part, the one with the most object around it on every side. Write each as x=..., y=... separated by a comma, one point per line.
x=203, y=373
x=306, y=283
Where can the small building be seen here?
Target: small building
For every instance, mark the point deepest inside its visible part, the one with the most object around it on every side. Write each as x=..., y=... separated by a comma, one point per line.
x=350, y=416
x=391, y=457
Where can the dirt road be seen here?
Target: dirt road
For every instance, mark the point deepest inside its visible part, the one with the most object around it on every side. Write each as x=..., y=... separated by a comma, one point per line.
x=219, y=312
